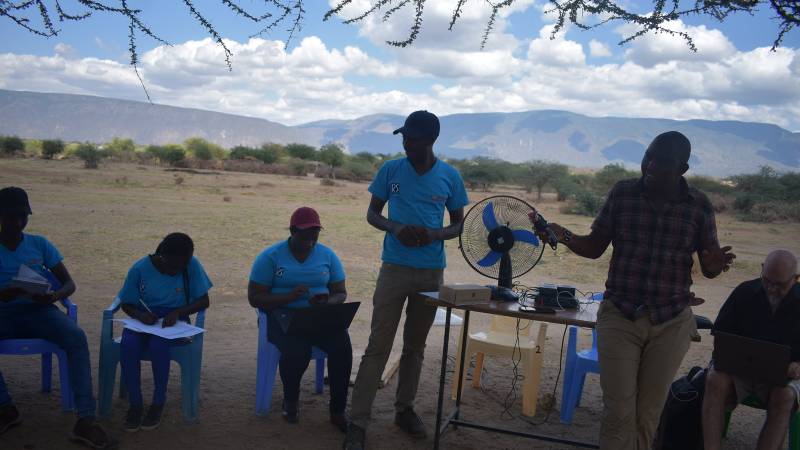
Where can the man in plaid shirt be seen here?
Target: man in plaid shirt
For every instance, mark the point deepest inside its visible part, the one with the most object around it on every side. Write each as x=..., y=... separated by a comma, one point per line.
x=644, y=324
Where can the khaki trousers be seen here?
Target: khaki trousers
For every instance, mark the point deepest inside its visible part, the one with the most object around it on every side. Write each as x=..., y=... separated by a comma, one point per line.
x=638, y=361
x=395, y=285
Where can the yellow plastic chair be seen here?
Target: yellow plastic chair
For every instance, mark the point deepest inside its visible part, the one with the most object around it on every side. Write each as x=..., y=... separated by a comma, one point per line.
x=499, y=341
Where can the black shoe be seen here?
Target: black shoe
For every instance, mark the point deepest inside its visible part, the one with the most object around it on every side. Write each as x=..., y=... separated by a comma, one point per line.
x=9, y=417
x=290, y=413
x=153, y=417
x=410, y=422
x=355, y=437
x=340, y=421
x=133, y=420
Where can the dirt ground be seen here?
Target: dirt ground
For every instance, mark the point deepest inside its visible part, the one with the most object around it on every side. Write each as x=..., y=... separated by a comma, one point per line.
x=103, y=220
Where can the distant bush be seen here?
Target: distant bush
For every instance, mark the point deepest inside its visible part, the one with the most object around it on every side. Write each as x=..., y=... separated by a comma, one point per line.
x=609, y=175
x=11, y=145
x=361, y=169
x=584, y=203
x=301, y=151
x=298, y=168
x=266, y=154
x=51, y=148
x=199, y=148
x=709, y=185
x=90, y=155
x=171, y=154
x=121, y=148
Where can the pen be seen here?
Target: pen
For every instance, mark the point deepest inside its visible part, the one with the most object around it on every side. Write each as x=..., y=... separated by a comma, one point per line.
x=145, y=306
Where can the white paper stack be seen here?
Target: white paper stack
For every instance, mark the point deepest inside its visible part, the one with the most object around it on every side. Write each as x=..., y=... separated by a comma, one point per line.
x=30, y=281
x=179, y=330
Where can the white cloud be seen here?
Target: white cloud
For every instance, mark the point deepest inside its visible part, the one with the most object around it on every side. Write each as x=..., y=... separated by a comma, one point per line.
x=654, y=48
x=657, y=77
x=598, y=49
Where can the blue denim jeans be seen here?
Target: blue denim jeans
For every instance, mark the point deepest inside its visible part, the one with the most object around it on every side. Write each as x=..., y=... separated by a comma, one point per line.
x=35, y=321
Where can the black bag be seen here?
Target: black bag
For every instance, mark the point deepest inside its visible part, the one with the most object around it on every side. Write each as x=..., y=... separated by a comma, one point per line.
x=681, y=426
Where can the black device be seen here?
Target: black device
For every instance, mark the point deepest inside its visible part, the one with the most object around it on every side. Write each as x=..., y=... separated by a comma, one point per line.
x=537, y=309
x=322, y=319
x=541, y=225
x=752, y=359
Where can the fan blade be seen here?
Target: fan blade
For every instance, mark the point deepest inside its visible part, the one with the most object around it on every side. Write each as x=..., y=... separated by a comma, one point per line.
x=490, y=259
x=489, y=220
x=526, y=236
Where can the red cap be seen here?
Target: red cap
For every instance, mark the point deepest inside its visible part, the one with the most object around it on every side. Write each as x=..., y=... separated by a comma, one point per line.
x=305, y=217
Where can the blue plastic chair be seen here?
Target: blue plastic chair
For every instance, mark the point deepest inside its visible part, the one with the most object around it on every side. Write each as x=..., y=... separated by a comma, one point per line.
x=188, y=356
x=47, y=349
x=578, y=364
x=267, y=367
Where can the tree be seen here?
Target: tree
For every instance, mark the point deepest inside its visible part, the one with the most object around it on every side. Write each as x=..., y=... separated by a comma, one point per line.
x=539, y=174
x=609, y=175
x=11, y=145
x=200, y=148
x=90, y=155
x=122, y=148
x=588, y=14
x=332, y=155
x=301, y=151
x=51, y=148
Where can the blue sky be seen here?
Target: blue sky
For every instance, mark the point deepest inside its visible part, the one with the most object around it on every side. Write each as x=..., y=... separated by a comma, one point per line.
x=332, y=70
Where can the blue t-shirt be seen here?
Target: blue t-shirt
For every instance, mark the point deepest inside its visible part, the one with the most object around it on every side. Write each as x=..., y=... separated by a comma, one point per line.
x=145, y=282
x=35, y=252
x=418, y=200
x=276, y=267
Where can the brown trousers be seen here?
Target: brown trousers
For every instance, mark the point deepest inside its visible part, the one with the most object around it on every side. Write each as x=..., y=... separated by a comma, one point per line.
x=638, y=362
x=395, y=284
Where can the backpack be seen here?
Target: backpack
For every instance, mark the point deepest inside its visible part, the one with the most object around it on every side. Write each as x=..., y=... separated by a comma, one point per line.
x=681, y=426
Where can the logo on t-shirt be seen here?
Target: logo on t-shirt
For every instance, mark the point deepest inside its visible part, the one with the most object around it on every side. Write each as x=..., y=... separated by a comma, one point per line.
x=395, y=188
x=279, y=273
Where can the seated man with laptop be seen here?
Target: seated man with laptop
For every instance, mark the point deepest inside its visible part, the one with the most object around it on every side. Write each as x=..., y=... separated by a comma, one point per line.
x=757, y=352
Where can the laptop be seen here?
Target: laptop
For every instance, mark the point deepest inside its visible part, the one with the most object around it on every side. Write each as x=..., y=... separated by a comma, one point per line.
x=323, y=319
x=752, y=359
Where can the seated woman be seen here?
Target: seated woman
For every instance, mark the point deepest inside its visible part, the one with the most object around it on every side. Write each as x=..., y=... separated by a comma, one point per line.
x=169, y=285
x=301, y=273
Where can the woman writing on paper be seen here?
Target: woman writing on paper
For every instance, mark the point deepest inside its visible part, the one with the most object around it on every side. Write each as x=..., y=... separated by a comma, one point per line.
x=169, y=285
x=301, y=273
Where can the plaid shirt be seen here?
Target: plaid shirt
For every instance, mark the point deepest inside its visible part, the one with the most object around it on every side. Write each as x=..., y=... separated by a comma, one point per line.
x=651, y=266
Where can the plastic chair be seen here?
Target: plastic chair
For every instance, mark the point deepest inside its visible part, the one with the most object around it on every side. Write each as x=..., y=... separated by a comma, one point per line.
x=500, y=341
x=578, y=364
x=47, y=349
x=188, y=356
x=794, y=423
x=267, y=367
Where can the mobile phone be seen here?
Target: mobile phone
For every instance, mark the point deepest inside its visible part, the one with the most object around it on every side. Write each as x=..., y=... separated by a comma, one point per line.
x=537, y=309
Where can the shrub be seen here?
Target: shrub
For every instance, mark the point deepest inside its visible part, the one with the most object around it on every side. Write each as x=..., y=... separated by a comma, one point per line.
x=11, y=145
x=298, y=168
x=301, y=151
x=51, y=148
x=585, y=203
x=90, y=155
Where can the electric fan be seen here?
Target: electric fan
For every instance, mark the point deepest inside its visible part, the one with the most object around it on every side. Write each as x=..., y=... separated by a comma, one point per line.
x=497, y=240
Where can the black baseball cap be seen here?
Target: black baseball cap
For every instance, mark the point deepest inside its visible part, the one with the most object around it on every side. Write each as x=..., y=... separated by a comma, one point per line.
x=420, y=124
x=14, y=200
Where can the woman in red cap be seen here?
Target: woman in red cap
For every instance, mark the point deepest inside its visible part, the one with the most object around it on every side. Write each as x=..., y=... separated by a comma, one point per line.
x=302, y=273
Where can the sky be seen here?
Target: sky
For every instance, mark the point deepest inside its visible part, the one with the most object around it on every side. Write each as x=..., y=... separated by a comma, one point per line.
x=331, y=70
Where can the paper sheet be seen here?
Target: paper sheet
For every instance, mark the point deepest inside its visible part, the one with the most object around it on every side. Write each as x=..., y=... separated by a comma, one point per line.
x=30, y=281
x=179, y=330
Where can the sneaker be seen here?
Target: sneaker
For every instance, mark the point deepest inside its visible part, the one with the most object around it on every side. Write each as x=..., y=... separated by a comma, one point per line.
x=290, y=413
x=410, y=422
x=153, y=417
x=88, y=432
x=133, y=420
x=355, y=437
x=9, y=417
x=340, y=422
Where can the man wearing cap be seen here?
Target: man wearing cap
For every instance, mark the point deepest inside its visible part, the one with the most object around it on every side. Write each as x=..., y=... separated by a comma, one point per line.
x=301, y=273
x=645, y=322
x=34, y=315
x=418, y=189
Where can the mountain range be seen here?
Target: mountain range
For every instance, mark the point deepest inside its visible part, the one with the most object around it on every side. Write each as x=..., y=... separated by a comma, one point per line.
x=719, y=148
